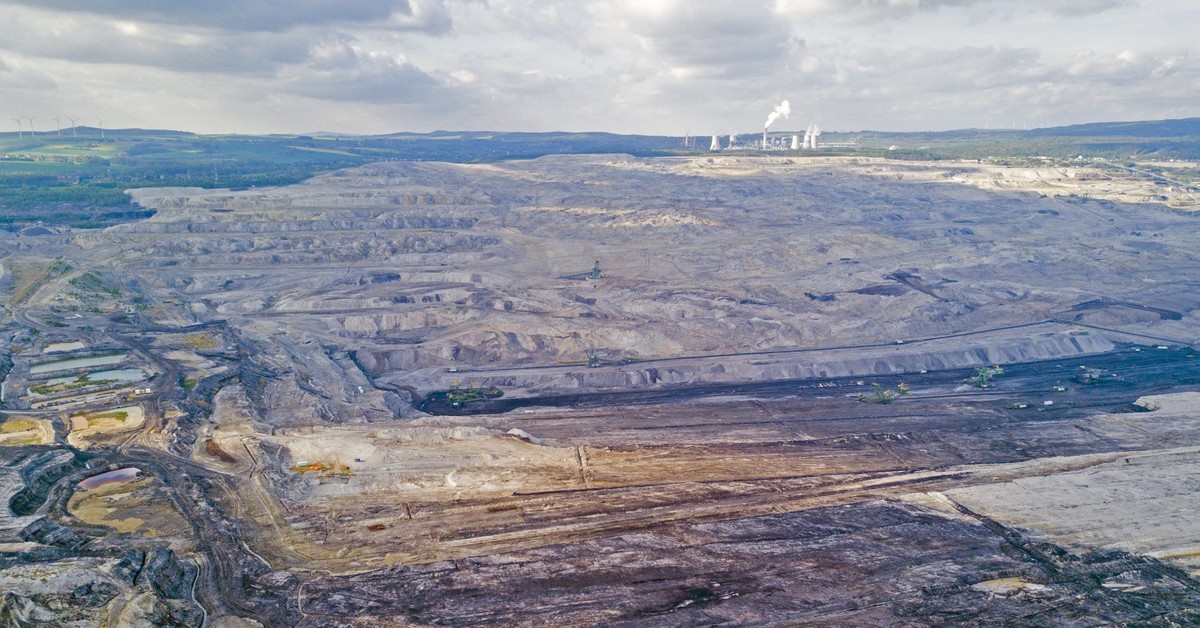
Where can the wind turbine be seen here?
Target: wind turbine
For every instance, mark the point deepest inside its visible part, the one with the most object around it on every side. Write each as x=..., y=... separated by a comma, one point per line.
x=58, y=125
x=74, y=133
x=101, y=128
x=20, y=129
x=30, y=125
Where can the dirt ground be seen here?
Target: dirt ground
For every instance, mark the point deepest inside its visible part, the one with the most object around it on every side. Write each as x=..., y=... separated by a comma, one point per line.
x=599, y=389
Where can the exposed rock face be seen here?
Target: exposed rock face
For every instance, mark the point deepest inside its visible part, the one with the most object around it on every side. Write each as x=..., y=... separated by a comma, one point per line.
x=168, y=575
x=871, y=361
x=416, y=267
x=49, y=532
x=39, y=474
x=129, y=567
x=47, y=609
x=657, y=377
x=76, y=591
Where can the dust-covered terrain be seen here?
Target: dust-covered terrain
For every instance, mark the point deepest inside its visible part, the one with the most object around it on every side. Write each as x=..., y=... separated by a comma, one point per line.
x=602, y=389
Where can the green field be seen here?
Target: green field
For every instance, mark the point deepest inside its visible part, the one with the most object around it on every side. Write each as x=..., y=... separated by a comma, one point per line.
x=13, y=167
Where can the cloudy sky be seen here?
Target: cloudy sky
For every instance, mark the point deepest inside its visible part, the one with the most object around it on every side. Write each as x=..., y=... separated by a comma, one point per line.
x=626, y=66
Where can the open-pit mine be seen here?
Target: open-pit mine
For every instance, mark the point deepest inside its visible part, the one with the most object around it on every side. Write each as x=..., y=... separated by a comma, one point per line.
x=584, y=390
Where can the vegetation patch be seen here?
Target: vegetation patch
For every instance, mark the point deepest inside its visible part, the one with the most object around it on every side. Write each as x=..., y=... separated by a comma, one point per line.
x=115, y=415
x=29, y=277
x=200, y=341
x=17, y=425
x=89, y=282
x=83, y=380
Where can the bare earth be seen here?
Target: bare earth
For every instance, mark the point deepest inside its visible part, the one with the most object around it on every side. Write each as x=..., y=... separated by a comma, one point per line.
x=399, y=395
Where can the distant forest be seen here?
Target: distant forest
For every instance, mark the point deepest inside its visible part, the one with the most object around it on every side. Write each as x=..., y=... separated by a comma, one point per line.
x=77, y=177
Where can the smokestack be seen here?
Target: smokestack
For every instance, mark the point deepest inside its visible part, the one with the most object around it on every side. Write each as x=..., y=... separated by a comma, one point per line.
x=795, y=142
x=716, y=143
x=783, y=109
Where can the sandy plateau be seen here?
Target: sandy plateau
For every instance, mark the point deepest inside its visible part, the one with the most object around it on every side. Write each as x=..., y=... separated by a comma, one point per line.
x=19, y=430
x=86, y=427
x=606, y=390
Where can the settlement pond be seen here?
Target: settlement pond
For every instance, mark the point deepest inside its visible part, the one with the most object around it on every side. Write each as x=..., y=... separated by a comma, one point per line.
x=63, y=347
x=116, y=476
x=118, y=375
x=78, y=363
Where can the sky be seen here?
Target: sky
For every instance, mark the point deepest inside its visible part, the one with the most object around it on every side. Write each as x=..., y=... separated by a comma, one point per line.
x=663, y=67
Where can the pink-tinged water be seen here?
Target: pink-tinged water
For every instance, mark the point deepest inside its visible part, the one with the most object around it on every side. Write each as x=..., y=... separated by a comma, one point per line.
x=117, y=476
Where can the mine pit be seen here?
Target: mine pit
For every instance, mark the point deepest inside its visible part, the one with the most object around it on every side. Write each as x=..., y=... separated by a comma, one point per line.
x=128, y=501
x=614, y=390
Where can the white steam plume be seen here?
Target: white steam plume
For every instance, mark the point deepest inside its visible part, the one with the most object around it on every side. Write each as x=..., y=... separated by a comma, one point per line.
x=784, y=109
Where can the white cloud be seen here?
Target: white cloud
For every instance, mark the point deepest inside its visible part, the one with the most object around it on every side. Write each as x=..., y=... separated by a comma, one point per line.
x=709, y=38
x=649, y=66
x=259, y=15
x=341, y=71
x=38, y=33
x=861, y=11
x=18, y=76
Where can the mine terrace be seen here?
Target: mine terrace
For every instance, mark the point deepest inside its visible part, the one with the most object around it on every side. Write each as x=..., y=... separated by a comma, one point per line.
x=606, y=389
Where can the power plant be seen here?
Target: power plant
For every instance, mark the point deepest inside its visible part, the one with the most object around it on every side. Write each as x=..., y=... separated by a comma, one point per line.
x=783, y=109
x=789, y=142
x=810, y=136
x=768, y=142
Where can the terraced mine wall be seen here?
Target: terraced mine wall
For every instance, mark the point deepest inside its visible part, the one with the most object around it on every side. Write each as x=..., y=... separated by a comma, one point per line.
x=40, y=475
x=699, y=406
x=867, y=361
x=358, y=223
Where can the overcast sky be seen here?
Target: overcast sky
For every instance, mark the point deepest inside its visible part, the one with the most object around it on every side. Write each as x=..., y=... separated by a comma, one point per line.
x=626, y=66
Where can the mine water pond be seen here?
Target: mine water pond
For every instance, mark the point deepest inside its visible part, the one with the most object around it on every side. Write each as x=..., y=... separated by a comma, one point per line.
x=63, y=347
x=118, y=476
x=119, y=375
x=78, y=363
